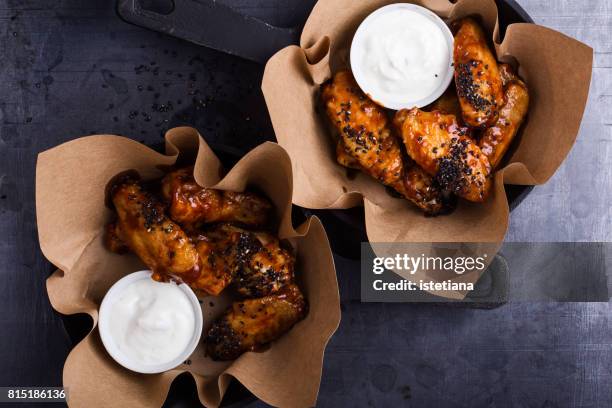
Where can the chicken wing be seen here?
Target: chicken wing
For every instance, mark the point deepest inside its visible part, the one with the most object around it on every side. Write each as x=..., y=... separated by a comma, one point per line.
x=344, y=158
x=447, y=103
x=422, y=188
x=254, y=261
x=496, y=139
x=159, y=242
x=191, y=205
x=250, y=324
x=264, y=267
x=506, y=73
x=112, y=240
x=477, y=77
x=367, y=137
x=364, y=130
x=442, y=148
x=217, y=256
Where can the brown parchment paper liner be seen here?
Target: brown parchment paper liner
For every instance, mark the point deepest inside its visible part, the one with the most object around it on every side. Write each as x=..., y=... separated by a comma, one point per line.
x=70, y=182
x=556, y=68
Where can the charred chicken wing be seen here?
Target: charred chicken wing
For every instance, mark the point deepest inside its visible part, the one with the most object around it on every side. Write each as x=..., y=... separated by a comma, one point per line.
x=191, y=205
x=264, y=267
x=366, y=136
x=477, y=76
x=442, y=148
x=250, y=324
x=259, y=266
x=159, y=242
x=496, y=139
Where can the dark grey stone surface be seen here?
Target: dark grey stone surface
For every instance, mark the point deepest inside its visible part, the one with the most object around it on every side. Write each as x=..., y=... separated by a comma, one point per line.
x=70, y=68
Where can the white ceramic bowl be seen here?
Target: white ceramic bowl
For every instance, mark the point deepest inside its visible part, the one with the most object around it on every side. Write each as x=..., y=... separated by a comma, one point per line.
x=357, y=54
x=104, y=316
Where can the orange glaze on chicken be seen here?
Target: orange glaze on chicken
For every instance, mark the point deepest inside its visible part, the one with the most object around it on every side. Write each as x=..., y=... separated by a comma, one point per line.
x=159, y=242
x=437, y=143
x=477, y=77
x=344, y=158
x=496, y=139
x=192, y=205
x=258, y=264
x=249, y=324
x=367, y=138
x=447, y=103
x=364, y=130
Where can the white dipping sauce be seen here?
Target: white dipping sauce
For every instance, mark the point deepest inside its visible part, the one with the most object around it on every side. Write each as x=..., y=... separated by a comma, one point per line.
x=151, y=322
x=401, y=56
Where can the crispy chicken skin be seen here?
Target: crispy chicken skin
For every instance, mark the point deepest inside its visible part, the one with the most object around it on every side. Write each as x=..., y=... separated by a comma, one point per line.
x=112, y=240
x=477, y=76
x=506, y=73
x=366, y=137
x=447, y=103
x=496, y=139
x=159, y=242
x=363, y=128
x=250, y=324
x=344, y=158
x=191, y=205
x=257, y=263
x=437, y=143
x=217, y=262
x=423, y=189
x=264, y=267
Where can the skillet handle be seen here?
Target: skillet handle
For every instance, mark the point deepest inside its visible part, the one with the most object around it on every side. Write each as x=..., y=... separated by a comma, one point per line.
x=210, y=24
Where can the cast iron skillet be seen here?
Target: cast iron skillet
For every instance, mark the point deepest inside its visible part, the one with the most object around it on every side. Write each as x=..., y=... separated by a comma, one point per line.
x=208, y=23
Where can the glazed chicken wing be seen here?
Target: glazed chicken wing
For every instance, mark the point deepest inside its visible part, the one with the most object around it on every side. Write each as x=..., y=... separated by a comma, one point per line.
x=217, y=262
x=447, y=103
x=259, y=265
x=250, y=324
x=506, y=73
x=254, y=261
x=112, y=240
x=364, y=130
x=345, y=159
x=192, y=205
x=366, y=137
x=159, y=242
x=496, y=139
x=442, y=148
x=264, y=267
x=424, y=189
x=477, y=76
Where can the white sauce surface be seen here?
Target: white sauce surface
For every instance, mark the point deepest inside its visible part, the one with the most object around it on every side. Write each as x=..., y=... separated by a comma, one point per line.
x=401, y=56
x=152, y=322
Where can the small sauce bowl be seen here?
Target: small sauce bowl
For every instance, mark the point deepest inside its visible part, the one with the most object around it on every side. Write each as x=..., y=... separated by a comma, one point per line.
x=401, y=56
x=108, y=322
